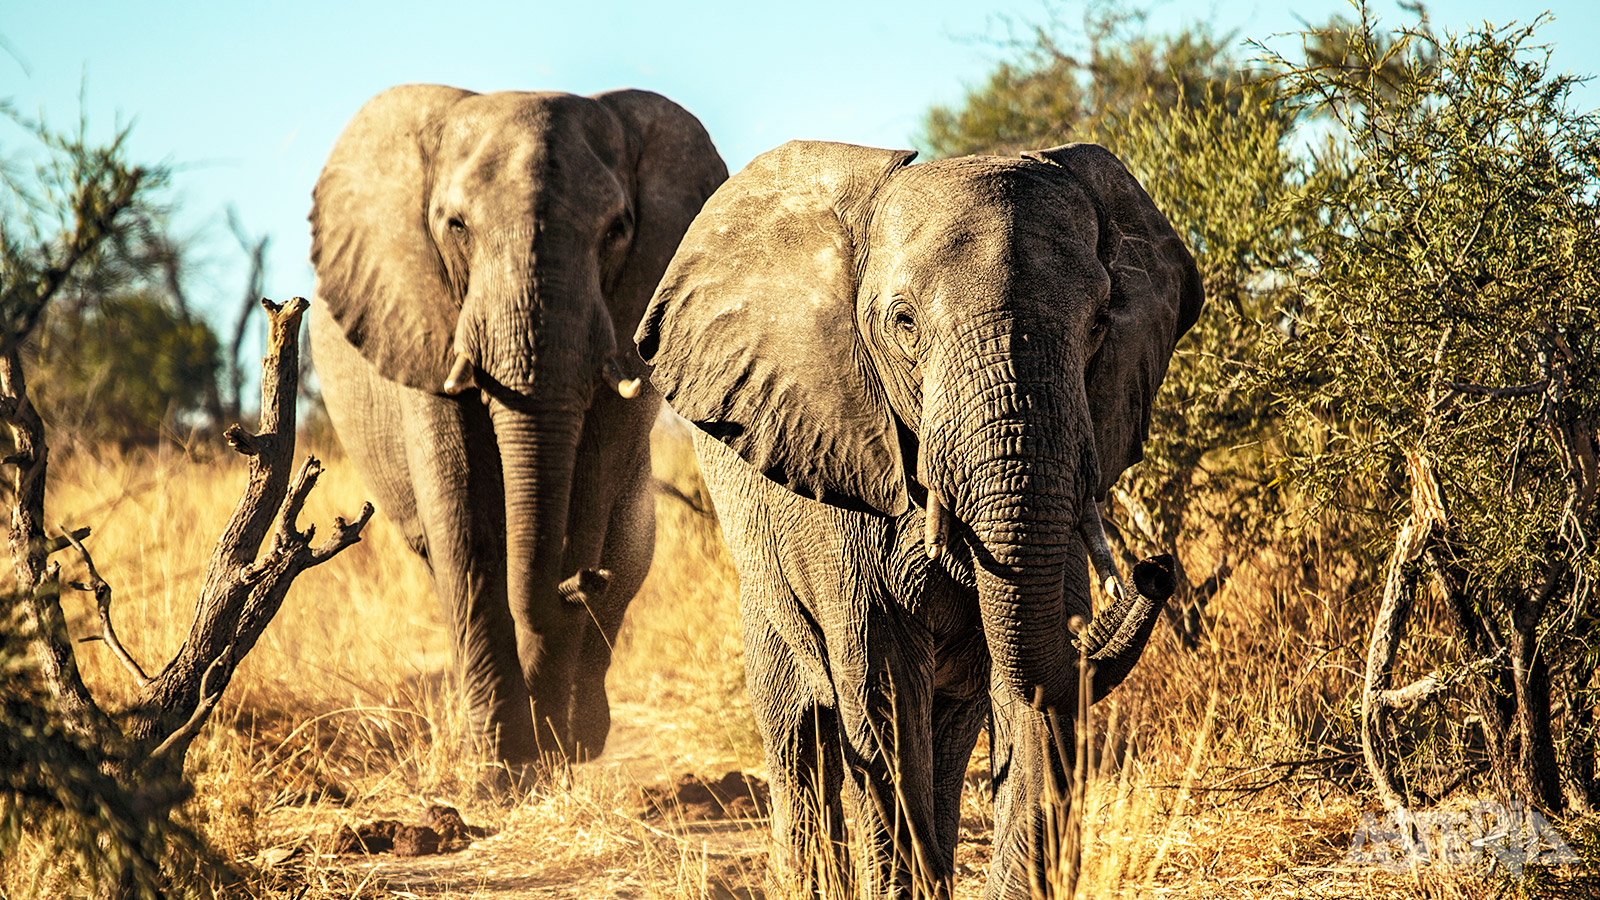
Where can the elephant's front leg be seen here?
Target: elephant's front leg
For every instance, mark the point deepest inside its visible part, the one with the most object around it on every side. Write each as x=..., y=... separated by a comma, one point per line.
x=611, y=527
x=800, y=734
x=882, y=669
x=459, y=505
x=1031, y=757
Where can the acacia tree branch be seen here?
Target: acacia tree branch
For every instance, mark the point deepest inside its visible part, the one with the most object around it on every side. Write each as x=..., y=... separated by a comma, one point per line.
x=1419, y=530
x=242, y=593
x=103, y=191
x=102, y=600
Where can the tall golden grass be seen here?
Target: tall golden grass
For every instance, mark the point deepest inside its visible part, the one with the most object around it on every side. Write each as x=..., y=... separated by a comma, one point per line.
x=1222, y=770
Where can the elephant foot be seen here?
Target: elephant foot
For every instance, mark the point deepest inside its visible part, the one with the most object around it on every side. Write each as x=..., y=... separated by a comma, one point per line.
x=510, y=783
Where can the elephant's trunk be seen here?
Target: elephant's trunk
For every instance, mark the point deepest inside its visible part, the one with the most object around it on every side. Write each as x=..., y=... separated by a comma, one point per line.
x=1023, y=482
x=1011, y=453
x=538, y=446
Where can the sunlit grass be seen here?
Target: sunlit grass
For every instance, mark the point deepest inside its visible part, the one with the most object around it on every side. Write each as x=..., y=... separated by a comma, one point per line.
x=347, y=710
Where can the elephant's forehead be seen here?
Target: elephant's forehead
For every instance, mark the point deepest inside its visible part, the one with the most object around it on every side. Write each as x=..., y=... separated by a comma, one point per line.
x=985, y=209
x=522, y=127
x=983, y=226
x=987, y=189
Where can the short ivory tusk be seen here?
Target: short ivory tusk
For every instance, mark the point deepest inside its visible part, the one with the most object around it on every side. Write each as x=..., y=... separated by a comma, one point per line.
x=936, y=526
x=626, y=388
x=460, y=377
x=1105, y=565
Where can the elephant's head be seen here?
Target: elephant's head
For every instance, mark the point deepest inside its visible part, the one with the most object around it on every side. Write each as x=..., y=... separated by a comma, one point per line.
x=979, y=337
x=493, y=246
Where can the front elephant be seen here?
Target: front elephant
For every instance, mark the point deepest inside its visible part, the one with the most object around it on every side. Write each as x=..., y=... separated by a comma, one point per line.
x=477, y=256
x=913, y=385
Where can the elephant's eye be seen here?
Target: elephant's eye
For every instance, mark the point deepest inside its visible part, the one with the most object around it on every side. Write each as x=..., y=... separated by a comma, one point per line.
x=1102, y=319
x=617, y=231
x=458, y=228
x=903, y=327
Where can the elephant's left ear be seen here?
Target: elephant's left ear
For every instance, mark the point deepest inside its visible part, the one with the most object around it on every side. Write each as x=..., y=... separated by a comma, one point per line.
x=677, y=169
x=1156, y=295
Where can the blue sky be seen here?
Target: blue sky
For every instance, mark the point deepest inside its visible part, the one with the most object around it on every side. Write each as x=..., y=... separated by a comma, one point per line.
x=245, y=99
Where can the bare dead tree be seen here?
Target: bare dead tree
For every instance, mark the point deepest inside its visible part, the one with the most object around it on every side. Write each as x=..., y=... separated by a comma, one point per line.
x=257, y=557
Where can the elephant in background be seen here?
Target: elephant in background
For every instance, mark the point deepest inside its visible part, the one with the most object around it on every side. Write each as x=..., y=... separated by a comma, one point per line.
x=476, y=257
x=913, y=384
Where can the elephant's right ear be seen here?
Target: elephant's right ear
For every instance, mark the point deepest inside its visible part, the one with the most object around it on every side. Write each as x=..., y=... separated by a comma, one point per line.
x=752, y=330
x=377, y=268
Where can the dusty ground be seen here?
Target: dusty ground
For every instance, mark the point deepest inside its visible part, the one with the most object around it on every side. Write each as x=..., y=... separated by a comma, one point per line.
x=620, y=855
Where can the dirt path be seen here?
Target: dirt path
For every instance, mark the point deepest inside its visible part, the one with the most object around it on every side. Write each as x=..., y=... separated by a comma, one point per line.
x=594, y=837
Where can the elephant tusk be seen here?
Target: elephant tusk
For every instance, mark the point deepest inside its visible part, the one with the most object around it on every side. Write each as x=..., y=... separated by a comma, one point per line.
x=461, y=376
x=1105, y=566
x=936, y=526
x=626, y=388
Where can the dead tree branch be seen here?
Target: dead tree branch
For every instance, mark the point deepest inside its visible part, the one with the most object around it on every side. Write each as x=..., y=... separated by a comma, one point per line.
x=37, y=580
x=243, y=590
x=1420, y=529
x=102, y=601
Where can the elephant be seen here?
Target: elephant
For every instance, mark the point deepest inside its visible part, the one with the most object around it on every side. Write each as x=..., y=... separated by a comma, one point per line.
x=913, y=386
x=476, y=257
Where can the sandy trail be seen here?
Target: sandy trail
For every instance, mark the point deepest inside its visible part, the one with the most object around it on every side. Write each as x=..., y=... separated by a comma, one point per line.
x=623, y=855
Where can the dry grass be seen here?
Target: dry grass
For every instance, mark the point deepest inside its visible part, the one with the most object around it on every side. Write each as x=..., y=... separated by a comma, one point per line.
x=347, y=711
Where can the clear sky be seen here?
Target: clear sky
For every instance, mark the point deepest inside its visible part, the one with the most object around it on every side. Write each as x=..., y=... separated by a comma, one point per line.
x=245, y=99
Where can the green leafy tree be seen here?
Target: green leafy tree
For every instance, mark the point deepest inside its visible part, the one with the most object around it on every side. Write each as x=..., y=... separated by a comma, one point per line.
x=1444, y=336
x=123, y=369
x=1052, y=93
x=121, y=357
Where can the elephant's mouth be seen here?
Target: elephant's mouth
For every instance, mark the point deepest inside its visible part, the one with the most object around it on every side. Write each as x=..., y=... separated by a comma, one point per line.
x=465, y=375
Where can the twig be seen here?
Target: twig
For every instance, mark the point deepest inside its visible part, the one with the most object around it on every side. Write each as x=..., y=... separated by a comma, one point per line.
x=65, y=539
x=1481, y=390
x=102, y=600
x=208, y=702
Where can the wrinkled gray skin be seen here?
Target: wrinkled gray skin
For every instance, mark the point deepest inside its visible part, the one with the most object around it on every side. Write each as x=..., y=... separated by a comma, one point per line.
x=477, y=256
x=846, y=327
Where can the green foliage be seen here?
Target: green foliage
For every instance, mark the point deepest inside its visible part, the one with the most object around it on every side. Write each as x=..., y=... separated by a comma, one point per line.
x=1050, y=95
x=123, y=369
x=1213, y=169
x=82, y=231
x=1456, y=247
x=1448, y=304
x=65, y=216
